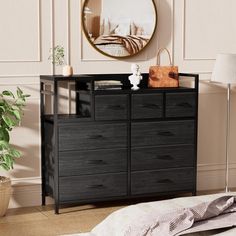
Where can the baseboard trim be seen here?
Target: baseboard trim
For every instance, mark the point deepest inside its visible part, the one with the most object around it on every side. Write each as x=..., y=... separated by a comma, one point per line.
x=27, y=196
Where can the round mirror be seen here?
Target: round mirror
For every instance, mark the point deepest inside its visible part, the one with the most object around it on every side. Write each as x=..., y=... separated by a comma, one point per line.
x=119, y=28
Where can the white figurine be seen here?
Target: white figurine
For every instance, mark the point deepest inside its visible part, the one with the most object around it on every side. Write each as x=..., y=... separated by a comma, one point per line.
x=136, y=77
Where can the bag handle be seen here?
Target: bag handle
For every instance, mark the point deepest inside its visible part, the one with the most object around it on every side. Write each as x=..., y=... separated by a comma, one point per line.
x=158, y=56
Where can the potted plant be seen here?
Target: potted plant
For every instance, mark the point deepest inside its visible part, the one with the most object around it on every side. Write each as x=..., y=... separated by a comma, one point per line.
x=11, y=111
x=57, y=56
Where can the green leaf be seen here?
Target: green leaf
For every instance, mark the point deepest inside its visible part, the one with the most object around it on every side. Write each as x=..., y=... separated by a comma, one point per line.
x=2, y=108
x=4, y=135
x=8, y=160
x=11, y=111
x=4, y=144
x=15, y=153
x=5, y=166
x=8, y=93
x=16, y=113
x=20, y=102
x=9, y=122
x=15, y=107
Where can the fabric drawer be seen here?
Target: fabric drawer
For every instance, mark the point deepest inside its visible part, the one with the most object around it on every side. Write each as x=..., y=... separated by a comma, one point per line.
x=111, y=107
x=162, y=133
x=146, y=106
x=151, y=158
x=162, y=181
x=180, y=104
x=92, y=186
x=92, y=136
x=92, y=162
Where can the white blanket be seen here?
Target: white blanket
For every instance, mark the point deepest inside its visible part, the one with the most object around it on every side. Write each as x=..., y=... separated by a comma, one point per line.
x=135, y=219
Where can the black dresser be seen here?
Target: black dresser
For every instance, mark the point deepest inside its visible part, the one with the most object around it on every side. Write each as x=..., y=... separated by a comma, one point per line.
x=120, y=143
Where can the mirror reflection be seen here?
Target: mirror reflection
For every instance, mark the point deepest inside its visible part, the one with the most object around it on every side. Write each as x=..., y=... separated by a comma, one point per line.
x=119, y=28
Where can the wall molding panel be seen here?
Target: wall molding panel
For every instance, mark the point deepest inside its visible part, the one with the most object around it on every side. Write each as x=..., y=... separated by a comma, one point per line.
x=68, y=46
x=37, y=57
x=194, y=51
x=52, y=32
x=185, y=58
x=218, y=41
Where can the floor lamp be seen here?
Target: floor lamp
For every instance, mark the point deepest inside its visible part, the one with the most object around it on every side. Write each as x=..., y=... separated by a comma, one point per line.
x=225, y=72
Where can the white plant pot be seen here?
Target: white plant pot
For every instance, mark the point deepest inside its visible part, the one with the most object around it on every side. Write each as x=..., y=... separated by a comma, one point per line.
x=5, y=195
x=67, y=70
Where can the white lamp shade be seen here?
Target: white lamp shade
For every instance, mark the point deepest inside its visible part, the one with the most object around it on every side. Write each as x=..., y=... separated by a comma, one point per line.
x=225, y=69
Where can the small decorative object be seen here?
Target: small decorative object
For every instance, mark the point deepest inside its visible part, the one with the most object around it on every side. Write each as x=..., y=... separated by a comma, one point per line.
x=57, y=56
x=11, y=111
x=67, y=70
x=136, y=77
x=163, y=76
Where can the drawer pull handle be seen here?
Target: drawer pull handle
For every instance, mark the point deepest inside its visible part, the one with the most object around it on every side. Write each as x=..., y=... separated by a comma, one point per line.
x=98, y=136
x=165, y=133
x=116, y=107
x=165, y=157
x=96, y=162
x=97, y=186
x=184, y=104
x=165, y=181
x=151, y=106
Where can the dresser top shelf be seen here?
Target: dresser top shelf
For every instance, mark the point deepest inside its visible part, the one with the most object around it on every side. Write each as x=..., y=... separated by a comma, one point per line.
x=123, y=78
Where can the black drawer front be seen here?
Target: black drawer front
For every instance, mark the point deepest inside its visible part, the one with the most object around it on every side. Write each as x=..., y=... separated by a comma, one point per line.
x=92, y=162
x=162, y=133
x=151, y=158
x=92, y=136
x=111, y=107
x=147, y=106
x=92, y=186
x=180, y=104
x=162, y=181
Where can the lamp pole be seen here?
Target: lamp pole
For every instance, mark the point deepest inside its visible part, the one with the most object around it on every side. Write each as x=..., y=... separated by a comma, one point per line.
x=227, y=140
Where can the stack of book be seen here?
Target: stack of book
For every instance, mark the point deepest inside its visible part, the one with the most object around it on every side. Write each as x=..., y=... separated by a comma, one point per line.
x=107, y=84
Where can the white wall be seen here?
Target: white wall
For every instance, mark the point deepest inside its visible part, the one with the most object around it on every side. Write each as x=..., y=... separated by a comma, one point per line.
x=194, y=31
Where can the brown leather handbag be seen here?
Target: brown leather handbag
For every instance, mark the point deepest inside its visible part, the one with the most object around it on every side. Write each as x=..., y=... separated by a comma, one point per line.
x=163, y=76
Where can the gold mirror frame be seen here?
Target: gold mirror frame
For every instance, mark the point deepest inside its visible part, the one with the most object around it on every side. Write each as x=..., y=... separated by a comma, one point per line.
x=120, y=40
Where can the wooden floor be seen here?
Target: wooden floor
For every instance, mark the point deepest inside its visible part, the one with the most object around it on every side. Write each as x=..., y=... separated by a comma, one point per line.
x=41, y=221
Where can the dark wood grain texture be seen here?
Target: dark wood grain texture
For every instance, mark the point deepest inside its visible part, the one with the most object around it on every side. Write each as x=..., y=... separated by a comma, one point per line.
x=111, y=107
x=180, y=104
x=157, y=181
x=146, y=106
x=92, y=186
x=150, y=158
x=92, y=162
x=162, y=133
x=92, y=136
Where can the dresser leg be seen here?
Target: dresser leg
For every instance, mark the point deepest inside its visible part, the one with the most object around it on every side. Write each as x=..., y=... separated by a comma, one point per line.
x=43, y=199
x=57, y=209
